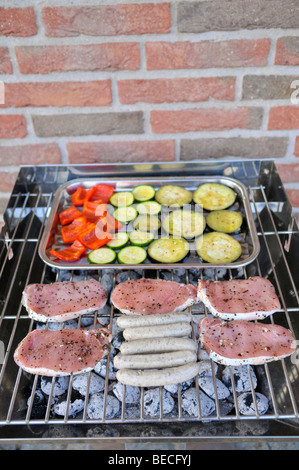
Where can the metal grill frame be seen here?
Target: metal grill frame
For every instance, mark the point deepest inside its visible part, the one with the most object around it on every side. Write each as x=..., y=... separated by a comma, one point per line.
x=277, y=231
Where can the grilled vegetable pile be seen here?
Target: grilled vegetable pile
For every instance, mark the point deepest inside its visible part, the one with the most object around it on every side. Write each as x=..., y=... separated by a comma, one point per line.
x=163, y=225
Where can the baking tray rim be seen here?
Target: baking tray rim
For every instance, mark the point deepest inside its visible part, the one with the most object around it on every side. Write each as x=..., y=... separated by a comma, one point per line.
x=232, y=182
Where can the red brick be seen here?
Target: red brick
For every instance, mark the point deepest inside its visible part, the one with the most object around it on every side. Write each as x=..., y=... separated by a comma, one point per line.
x=12, y=126
x=296, y=150
x=7, y=180
x=287, y=51
x=209, y=119
x=206, y=54
x=293, y=195
x=95, y=93
x=102, y=152
x=32, y=154
x=5, y=62
x=107, y=57
x=17, y=22
x=284, y=117
x=289, y=172
x=175, y=90
x=107, y=20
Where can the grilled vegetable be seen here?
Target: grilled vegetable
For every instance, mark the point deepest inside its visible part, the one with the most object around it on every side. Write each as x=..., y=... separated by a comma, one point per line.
x=168, y=249
x=184, y=223
x=68, y=215
x=144, y=192
x=125, y=214
x=93, y=237
x=132, y=255
x=102, y=256
x=122, y=198
x=224, y=221
x=173, y=196
x=214, y=196
x=119, y=240
x=149, y=207
x=139, y=238
x=73, y=253
x=147, y=223
x=217, y=247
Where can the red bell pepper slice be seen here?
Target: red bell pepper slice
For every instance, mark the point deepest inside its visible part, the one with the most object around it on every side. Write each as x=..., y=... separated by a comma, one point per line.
x=70, y=232
x=110, y=224
x=82, y=195
x=94, y=210
x=73, y=253
x=102, y=192
x=68, y=215
x=94, y=237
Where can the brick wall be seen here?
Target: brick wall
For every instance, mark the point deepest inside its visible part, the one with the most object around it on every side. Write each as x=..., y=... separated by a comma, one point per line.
x=148, y=80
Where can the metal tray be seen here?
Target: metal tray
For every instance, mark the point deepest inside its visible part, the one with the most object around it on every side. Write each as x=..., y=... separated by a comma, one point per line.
x=247, y=236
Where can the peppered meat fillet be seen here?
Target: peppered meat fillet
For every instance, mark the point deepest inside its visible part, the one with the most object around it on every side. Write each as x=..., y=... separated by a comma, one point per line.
x=61, y=301
x=239, y=299
x=149, y=296
x=240, y=342
x=62, y=352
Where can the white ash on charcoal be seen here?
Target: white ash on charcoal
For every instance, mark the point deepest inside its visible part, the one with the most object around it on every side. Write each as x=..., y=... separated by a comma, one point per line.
x=152, y=402
x=247, y=407
x=61, y=385
x=61, y=408
x=243, y=375
x=126, y=275
x=96, y=403
x=131, y=395
x=174, y=388
x=101, y=367
x=190, y=403
x=206, y=383
x=88, y=383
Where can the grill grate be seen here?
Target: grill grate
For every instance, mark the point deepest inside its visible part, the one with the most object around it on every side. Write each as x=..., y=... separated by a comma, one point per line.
x=21, y=265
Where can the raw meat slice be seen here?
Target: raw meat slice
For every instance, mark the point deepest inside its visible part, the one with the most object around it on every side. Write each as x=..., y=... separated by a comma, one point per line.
x=239, y=299
x=63, y=301
x=62, y=352
x=149, y=296
x=241, y=342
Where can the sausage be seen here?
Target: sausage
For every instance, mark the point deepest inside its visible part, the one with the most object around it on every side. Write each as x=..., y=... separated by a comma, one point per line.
x=175, y=329
x=156, y=377
x=152, y=361
x=157, y=345
x=155, y=319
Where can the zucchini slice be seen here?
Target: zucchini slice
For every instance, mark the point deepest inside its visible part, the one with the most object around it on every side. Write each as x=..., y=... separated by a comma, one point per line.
x=119, y=240
x=168, y=249
x=122, y=198
x=214, y=196
x=141, y=238
x=224, y=221
x=184, y=223
x=147, y=223
x=218, y=247
x=125, y=214
x=144, y=192
x=173, y=196
x=102, y=256
x=132, y=255
x=149, y=207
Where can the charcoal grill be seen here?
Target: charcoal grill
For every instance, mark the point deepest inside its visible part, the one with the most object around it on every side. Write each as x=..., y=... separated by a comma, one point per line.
x=27, y=211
